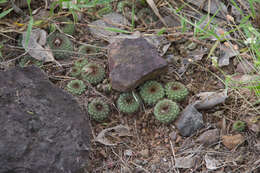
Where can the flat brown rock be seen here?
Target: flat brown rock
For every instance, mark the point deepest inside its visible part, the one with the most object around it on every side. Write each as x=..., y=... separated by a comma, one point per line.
x=133, y=61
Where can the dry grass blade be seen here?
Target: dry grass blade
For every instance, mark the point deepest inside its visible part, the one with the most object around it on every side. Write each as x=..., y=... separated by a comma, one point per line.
x=156, y=11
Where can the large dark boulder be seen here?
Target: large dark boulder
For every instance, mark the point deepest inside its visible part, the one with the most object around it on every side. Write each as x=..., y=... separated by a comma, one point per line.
x=42, y=128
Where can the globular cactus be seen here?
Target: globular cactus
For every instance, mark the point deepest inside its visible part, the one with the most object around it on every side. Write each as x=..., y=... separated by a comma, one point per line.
x=75, y=71
x=60, y=44
x=128, y=103
x=151, y=92
x=66, y=25
x=29, y=60
x=81, y=62
x=76, y=87
x=98, y=109
x=176, y=91
x=93, y=73
x=166, y=111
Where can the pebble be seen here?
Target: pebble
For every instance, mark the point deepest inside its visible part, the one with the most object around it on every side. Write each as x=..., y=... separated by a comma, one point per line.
x=128, y=153
x=189, y=121
x=209, y=137
x=145, y=153
x=231, y=141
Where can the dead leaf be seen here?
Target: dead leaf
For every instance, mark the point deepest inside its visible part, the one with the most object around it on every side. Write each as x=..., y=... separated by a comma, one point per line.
x=119, y=131
x=226, y=54
x=35, y=45
x=185, y=162
x=208, y=100
x=111, y=20
x=212, y=163
x=197, y=55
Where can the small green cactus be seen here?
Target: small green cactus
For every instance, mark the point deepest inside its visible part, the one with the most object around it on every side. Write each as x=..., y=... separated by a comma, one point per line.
x=93, y=73
x=66, y=25
x=76, y=87
x=28, y=60
x=81, y=62
x=75, y=71
x=166, y=111
x=239, y=126
x=107, y=9
x=98, y=109
x=128, y=103
x=151, y=92
x=176, y=91
x=83, y=49
x=123, y=4
x=60, y=45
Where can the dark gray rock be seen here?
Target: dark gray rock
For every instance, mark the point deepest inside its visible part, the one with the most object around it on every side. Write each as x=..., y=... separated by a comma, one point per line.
x=43, y=129
x=132, y=62
x=189, y=121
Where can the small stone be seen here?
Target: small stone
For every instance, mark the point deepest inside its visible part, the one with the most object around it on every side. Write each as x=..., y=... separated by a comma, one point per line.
x=209, y=137
x=189, y=121
x=185, y=162
x=128, y=153
x=232, y=141
x=132, y=62
x=192, y=46
x=145, y=153
x=173, y=135
x=253, y=123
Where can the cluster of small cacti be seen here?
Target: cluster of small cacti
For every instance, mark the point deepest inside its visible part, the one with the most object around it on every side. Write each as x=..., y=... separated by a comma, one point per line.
x=165, y=110
x=98, y=109
x=152, y=93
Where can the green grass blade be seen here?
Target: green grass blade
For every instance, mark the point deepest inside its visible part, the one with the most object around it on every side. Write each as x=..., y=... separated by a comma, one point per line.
x=28, y=32
x=4, y=13
x=161, y=31
x=117, y=30
x=2, y=1
x=29, y=7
